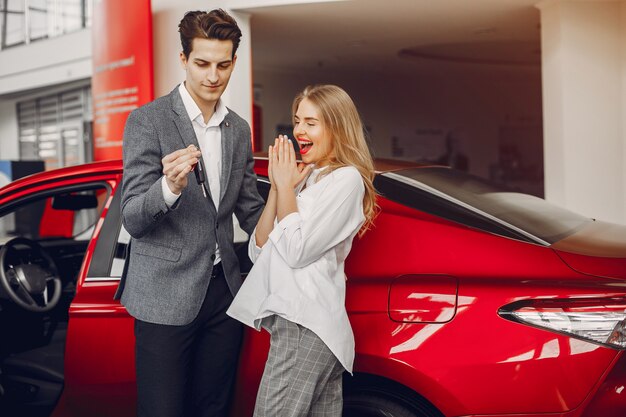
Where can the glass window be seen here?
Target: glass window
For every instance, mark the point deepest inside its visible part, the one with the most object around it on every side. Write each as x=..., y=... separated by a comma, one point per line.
x=65, y=214
x=56, y=128
x=119, y=257
x=88, y=13
x=62, y=221
x=12, y=23
x=24, y=21
x=41, y=19
x=69, y=15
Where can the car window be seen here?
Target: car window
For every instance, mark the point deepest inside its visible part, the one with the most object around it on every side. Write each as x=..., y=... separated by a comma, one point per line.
x=240, y=239
x=119, y=255
x=479, y=203
x=69, y=213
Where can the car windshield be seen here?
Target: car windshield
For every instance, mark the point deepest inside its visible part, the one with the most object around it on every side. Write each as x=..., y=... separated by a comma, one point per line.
x=527, y=213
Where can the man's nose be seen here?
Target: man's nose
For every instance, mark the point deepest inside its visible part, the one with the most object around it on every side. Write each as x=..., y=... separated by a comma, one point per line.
x=212, y=75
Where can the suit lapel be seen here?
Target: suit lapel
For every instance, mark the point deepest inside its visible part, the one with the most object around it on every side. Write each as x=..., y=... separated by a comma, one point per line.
x=185, y=129
x=228, y=138
x=181, y=119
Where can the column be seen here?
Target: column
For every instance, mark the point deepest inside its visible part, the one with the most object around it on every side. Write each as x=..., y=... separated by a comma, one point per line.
x=583, y=75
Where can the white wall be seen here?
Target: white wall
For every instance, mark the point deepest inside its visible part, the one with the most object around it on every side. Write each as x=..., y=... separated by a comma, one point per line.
x=8, y=130
x=49, y=63
x=166, y=46
x=622, y=36
x=475, y=107
x=45, y=63
x=583, y=76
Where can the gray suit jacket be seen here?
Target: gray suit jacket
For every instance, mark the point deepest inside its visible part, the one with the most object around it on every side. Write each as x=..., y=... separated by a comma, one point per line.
x=172, y=249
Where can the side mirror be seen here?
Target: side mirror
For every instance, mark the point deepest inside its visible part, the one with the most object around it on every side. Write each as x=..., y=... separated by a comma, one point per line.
x=74, y=202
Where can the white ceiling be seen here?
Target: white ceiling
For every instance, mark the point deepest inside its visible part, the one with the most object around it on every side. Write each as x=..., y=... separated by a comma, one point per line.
x=397, y=36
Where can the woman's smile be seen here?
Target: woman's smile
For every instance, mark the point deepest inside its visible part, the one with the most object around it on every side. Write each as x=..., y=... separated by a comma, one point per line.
x=305, y=145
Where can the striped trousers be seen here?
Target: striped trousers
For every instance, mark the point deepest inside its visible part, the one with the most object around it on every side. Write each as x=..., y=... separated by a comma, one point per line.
x=302, y=377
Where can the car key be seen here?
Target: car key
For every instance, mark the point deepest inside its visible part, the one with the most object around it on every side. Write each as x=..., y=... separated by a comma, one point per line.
x=200, y=175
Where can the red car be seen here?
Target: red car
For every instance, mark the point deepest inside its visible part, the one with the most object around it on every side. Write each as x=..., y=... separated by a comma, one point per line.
x=465, y=299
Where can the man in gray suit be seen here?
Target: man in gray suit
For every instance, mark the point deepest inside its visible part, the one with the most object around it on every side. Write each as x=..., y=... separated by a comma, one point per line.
x=182, y=271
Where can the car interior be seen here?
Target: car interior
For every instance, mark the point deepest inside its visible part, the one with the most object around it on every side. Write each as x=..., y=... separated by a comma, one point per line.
x=43, y=241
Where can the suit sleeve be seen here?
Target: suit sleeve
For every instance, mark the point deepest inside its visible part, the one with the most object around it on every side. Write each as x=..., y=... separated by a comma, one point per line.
x=143, y=204
x=249, y=202
x=337, y=214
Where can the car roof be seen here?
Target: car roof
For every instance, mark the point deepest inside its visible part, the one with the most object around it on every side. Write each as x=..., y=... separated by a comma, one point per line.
x=381, y=165
x=111, y=167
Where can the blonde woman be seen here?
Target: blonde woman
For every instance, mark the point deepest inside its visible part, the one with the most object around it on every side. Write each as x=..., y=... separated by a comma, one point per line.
x=296, y=289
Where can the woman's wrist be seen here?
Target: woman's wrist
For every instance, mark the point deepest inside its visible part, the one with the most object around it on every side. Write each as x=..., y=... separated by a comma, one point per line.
x=280, y=187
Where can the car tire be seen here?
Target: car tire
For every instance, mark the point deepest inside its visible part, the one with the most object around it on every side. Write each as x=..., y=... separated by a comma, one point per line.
x=367, y=404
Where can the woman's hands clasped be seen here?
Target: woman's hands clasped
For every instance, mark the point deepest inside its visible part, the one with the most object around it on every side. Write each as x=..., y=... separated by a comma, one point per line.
x=283, y=170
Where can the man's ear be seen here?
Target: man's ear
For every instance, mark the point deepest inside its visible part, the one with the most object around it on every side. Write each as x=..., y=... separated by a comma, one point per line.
x=234, y=60
x=183, y=60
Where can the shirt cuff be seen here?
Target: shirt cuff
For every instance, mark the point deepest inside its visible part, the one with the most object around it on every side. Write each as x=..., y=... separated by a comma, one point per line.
x=169, y=197
x=253, y=250
x=280, y=227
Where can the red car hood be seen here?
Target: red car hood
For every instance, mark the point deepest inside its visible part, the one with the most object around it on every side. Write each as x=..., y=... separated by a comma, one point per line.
x=597, y=249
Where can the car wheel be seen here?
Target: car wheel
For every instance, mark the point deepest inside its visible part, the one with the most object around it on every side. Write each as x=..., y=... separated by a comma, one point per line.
x=375, y=405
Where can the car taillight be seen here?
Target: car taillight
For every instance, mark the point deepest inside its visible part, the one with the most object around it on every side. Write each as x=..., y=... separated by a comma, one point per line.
x=601, y=321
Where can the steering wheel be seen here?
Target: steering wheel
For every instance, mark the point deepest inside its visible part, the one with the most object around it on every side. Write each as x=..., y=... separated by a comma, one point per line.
x=26, y=284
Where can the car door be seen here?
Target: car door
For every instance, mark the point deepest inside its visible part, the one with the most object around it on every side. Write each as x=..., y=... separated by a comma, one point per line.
x=100, y=365
x=99, y=355
x=61, y=212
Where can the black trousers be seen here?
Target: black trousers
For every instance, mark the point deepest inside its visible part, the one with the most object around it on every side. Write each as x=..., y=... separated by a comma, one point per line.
x=189, y=370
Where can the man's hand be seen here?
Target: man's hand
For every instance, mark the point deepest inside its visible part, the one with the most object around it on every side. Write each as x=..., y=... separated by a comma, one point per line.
x=177, y=165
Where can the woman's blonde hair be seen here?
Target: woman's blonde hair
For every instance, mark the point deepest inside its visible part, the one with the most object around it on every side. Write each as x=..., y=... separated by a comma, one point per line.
x=341, y=120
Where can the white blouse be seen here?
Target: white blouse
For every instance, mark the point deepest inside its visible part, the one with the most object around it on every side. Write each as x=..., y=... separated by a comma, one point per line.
x=299, y=272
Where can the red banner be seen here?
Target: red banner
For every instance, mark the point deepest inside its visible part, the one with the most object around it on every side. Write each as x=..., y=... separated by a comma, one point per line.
x=122, y=69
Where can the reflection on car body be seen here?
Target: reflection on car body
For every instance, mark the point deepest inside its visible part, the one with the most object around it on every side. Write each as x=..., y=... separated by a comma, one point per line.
x=465, y=299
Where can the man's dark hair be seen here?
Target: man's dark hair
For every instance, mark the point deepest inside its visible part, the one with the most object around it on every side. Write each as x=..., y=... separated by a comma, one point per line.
x=216, y=24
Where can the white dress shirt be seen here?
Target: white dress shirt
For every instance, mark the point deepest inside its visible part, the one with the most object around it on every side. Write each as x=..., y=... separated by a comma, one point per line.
x=209, y=138
x=299, y=273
